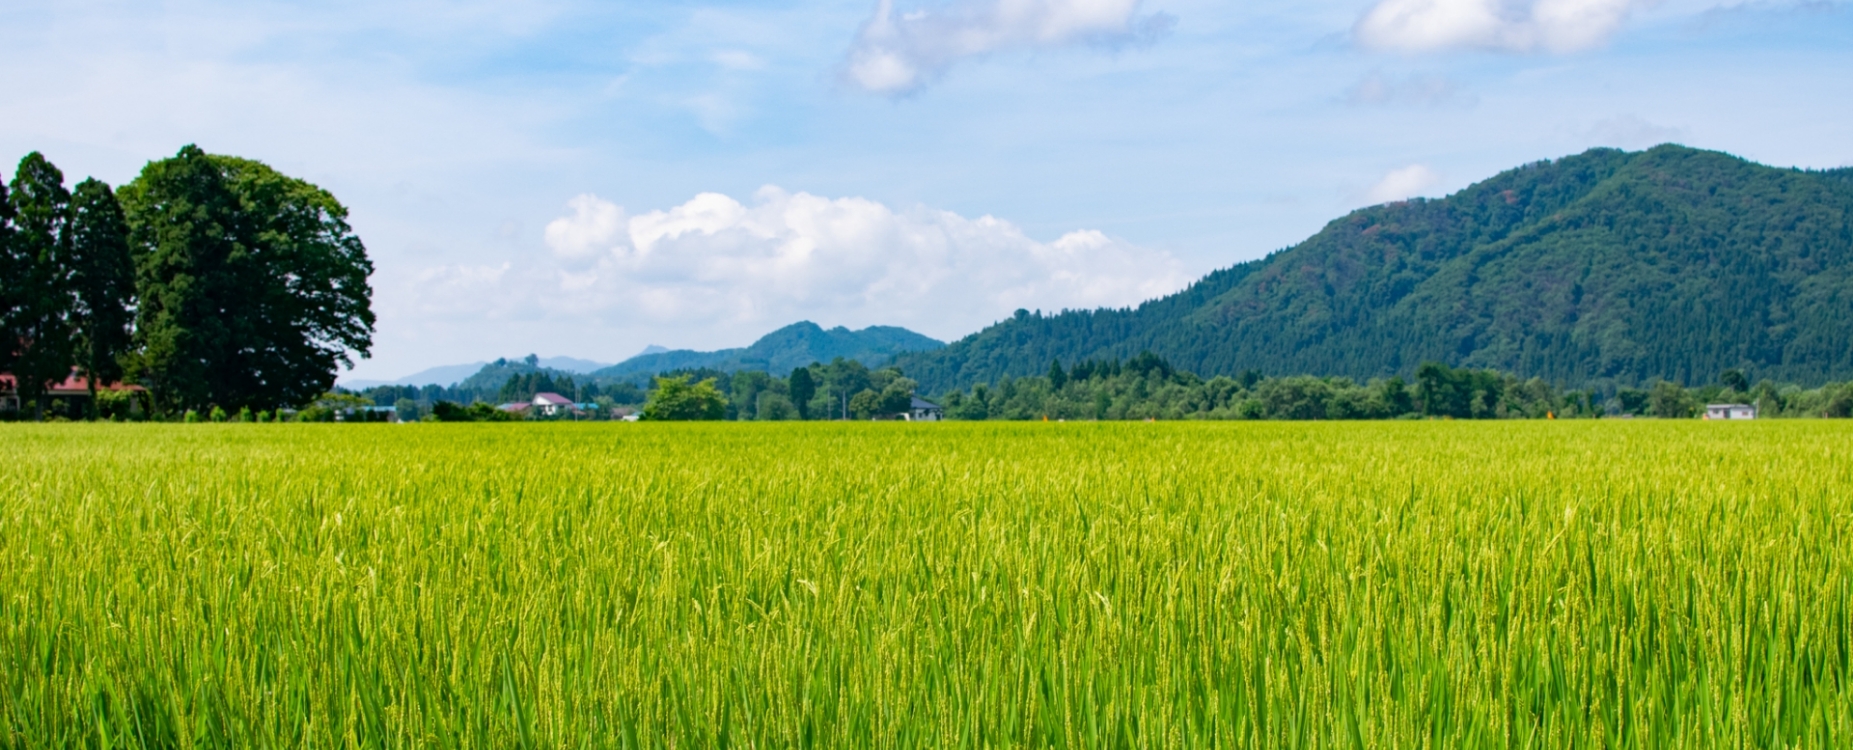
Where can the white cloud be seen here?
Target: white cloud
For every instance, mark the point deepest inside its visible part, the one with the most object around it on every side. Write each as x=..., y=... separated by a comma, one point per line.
x=1401, y=184
x=1557, y=26
x=717, y=262
x=1379, y=89
x=896, y=53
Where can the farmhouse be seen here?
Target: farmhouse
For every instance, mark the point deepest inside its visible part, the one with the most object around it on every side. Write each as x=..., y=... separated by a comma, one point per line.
x=923, y=410
x=552, y=404
x=71, y=388
x=1730, y=411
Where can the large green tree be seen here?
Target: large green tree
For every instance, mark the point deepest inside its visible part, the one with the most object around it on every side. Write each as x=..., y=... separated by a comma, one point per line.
x=253, y=287
x=102, y=284
x=37, y=326
x=675, y=399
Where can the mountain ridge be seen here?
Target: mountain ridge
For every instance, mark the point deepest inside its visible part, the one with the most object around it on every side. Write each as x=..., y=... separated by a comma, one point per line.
x=1606, y=267
x=780, y=351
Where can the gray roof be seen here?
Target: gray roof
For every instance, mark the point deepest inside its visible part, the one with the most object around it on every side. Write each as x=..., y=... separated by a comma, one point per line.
x=921, y=403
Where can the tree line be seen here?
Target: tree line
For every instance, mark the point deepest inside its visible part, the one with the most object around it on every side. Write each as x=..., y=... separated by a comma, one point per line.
x=212, y=282
x=1150, y=387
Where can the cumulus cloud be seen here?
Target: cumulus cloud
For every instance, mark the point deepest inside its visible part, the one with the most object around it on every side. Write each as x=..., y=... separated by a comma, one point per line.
x=899, y=52
x=718, y=262
x=1556, y=26
x=1401, y=184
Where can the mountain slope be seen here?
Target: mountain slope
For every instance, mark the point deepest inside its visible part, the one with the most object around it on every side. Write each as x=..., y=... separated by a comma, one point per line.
x=781, y=351
x=1605, y=267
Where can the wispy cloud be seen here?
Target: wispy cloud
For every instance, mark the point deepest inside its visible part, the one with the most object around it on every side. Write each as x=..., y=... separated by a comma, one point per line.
x=898, y=52
x=1378, y=89
x=1554, y=26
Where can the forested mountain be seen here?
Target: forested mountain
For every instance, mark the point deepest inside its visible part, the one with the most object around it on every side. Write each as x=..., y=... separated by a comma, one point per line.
x=793, y=346
x=1604, y=269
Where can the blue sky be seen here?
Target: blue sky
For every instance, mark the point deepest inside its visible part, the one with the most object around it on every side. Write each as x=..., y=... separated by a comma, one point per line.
x=585, y=178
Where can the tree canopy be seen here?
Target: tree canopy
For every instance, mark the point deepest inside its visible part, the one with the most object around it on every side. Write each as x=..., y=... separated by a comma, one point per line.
x=38, y=315
x=675, y=399
x=252, y=286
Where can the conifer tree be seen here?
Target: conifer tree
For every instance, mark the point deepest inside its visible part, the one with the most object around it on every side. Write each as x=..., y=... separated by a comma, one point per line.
x=38, y=326
x=102, y=284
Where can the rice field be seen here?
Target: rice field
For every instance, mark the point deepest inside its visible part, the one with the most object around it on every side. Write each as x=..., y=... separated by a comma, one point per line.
x=1393, y=585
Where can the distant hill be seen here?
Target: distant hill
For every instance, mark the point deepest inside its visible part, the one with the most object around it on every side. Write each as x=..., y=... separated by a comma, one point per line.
x=570, y=364
x=450, y=375
x=1608, y=267
x=781, y=351
x=444, y=375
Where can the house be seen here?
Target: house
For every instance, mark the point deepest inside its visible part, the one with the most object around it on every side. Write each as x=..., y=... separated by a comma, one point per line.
x=552, y=404
x=923, y=410
x=1730, y=411
x=72, y=387
x=518, y=407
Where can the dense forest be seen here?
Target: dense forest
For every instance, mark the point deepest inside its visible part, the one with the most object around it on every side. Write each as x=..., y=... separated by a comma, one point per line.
x=1605, y=270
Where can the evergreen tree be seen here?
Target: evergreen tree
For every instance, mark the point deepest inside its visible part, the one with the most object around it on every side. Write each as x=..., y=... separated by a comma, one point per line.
x=12, y=283
x=39, y=323
x=801, y=388
x=1057, y=378
x=102, y=283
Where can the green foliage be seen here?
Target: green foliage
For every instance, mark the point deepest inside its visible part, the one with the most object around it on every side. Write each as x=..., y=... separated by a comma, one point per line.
x=775, y=407
x=523, y=387
x=675, y=400
x=252, y=286
x=36, y=327
x=1460, y=585
x=102, y=279
x=796, y=345
x=447, y=411
x=1149, y=388
x=865, y=405
x=1603, y=270
x=117, y=405
x=801, y=389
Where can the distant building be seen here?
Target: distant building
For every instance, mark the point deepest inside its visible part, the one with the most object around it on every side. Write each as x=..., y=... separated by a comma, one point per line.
x=923, y=410
x=1730, y=411
x=518, y=407
x=74, y=386
x=552, y=404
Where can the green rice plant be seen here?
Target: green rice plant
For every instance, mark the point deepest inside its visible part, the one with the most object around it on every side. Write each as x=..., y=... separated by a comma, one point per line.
x=890, y=585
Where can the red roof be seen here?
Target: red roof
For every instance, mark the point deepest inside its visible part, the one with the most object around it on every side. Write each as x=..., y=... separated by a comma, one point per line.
x=75, y=385
x=552, y=399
